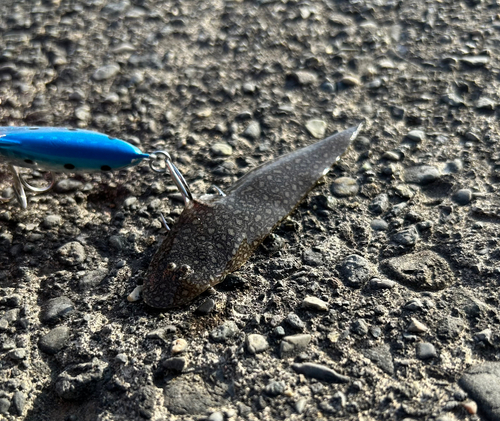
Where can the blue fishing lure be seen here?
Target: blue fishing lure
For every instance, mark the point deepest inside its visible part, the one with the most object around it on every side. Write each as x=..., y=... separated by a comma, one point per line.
x=66, y=150
x=73, y=150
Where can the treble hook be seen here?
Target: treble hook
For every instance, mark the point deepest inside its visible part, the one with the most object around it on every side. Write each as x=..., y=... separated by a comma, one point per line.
x=20, y=184
x=179, y=180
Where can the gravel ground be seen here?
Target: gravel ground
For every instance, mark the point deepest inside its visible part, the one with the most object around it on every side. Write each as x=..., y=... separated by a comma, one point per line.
x=376, y=299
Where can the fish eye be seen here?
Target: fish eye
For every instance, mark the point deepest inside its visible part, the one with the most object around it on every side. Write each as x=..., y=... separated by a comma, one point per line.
x=69, y=166
x=105, y=168
x=171, y=266
x=185, y=268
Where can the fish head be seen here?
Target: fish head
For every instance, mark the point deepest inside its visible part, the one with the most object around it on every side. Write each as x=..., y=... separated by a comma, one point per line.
x=189, y=261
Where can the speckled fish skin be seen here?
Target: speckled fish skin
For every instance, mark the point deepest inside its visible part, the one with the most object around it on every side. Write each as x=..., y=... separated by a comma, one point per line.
x=215, y=235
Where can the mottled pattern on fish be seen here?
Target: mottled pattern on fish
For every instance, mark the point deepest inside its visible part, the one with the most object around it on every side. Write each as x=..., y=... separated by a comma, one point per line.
x=215, y=235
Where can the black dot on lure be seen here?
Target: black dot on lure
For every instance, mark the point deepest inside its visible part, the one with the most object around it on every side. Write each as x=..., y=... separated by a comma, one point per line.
x=215, y=234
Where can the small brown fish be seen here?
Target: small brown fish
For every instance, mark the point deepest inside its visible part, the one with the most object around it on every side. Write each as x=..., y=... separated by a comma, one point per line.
x=215, y=235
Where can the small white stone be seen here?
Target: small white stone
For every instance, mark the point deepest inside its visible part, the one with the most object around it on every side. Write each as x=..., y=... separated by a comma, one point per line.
x=135, y=295
x=315, y=303
x=222, y=149
x=317, y=128
x=417, y=327
x=178, y=346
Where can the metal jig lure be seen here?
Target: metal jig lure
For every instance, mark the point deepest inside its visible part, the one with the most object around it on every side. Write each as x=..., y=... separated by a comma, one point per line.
x=74, y=150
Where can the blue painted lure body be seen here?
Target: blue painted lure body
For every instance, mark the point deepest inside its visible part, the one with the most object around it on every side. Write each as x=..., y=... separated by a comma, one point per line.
x=73, y=150
x=66, y=150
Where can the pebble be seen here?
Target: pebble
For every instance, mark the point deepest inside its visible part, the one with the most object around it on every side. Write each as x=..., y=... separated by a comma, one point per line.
x=249, y=87
x=320, y=372
x=381, y=356
x=83, y=113
x=450, y=328
x=92, y=278
x=417, y=327
x=79, y=380
x=117, y=242
x=484, y=103
x=216, y=416
x=312, y=258
x=374, y=84
x=256, y=343
x=68, y=185
x=304, y=77
x=379, y=225
x=19, y=401
x=4, y=324
x=350, y=80
x=475, y=61
x=362, y=143
x=224, y=332
x=316, y=128
x=51, y=221
x=414, y=305
x=470, y=407
x=403, y=191
x=112, y=98
x=379, y=204
x=135, y=295
x=12, y=316
x=130, y=201
x=463, y=197
x=122, y=358
x=275, y=388
x=453, y=100
x=4, y=405
x=71, y=254
x=473, y=134
x=300, y=405
x=253, y=131
x=328, y=87
x=407, y=237
x=221, y=149
x=175, y=364
x=416, y=135
x=55, y=309
x=206, y=307
x=184, y=396
x=294, y=345
x=179, y=346
x=377, y=283
x=295, y=322
x=356, y=270
x=484, y=335
x=394, y=156
x=17, y=354
x=327, y=202
x=106, y=72
x=425, y=351
x=424, y=270
x=55, y=340
x=482, y=383
x=344, y=187
x=422, y=174
x=359, y=327
x=314, y=303
x=279, y=331
x=162, y=333
x=204, y=112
